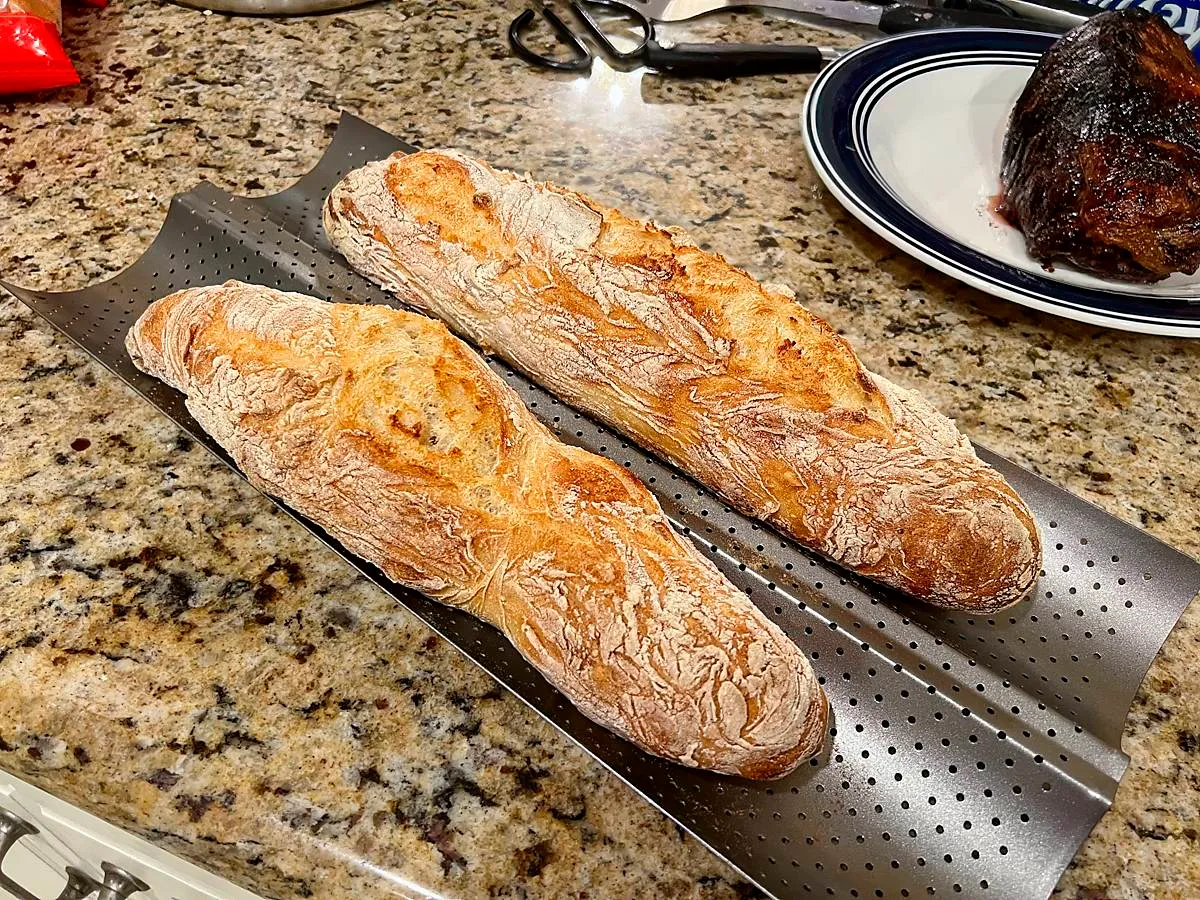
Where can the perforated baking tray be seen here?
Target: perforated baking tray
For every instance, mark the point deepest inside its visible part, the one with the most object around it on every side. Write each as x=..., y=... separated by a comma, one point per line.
x=969, y=754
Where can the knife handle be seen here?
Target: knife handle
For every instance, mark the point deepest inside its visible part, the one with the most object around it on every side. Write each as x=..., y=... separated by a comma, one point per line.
x=901, y=18
x=732, y=60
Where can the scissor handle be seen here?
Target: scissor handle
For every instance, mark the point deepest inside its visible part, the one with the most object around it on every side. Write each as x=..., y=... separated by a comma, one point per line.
x=733, y=60
x=581, y=60
x=629, y=14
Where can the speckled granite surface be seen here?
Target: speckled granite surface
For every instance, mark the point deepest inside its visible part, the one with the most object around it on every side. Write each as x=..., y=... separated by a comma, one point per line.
x=181, y=659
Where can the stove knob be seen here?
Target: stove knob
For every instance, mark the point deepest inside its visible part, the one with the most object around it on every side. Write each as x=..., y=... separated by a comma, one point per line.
x=12, y=829
x=119, y=884
x=79, y=885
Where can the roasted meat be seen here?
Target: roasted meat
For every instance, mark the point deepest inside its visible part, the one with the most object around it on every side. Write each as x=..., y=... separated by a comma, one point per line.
x=1101, y=164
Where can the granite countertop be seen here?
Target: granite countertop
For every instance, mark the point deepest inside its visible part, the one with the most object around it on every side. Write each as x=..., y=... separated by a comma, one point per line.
x=182, y=659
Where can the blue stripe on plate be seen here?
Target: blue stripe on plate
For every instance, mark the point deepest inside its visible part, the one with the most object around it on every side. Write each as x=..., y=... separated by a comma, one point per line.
x=879, y=88
x=836, y=112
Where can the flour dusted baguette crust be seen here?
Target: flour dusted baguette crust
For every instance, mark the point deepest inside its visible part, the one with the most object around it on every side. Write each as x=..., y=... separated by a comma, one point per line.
x=734, y=382
x=397, y=438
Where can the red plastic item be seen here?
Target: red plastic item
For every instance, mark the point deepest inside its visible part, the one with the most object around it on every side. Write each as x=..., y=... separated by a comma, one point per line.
x=31, y=55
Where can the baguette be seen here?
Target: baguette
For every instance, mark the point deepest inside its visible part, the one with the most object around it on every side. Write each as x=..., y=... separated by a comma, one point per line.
x=735, y=383
x=399, y=441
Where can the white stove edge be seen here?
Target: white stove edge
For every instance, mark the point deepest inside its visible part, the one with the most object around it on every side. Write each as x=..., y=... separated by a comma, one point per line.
x=70, y=836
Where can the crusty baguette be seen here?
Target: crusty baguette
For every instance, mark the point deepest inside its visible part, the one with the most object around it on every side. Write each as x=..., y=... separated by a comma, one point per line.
x=397, y=438
x=734, y=382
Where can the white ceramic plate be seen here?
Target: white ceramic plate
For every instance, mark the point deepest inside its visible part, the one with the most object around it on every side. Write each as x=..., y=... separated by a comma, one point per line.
x=907, y=134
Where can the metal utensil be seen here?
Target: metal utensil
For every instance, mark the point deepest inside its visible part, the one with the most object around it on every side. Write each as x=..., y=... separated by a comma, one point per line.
x=1057, y=12
x=1067, y=14
x=898, y=19
x=681, y=59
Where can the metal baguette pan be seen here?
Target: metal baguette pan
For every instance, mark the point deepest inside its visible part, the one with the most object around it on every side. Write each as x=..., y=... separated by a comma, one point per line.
x=970, y=755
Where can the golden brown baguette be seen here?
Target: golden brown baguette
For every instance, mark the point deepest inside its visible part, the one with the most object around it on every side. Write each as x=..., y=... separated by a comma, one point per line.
x=397, y=438
x=734, y=382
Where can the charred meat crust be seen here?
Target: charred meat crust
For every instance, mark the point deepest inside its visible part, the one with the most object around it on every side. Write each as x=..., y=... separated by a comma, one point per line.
x=1101, y=163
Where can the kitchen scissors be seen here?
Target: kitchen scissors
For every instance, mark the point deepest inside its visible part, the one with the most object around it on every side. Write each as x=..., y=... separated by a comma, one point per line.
x=722, y=60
